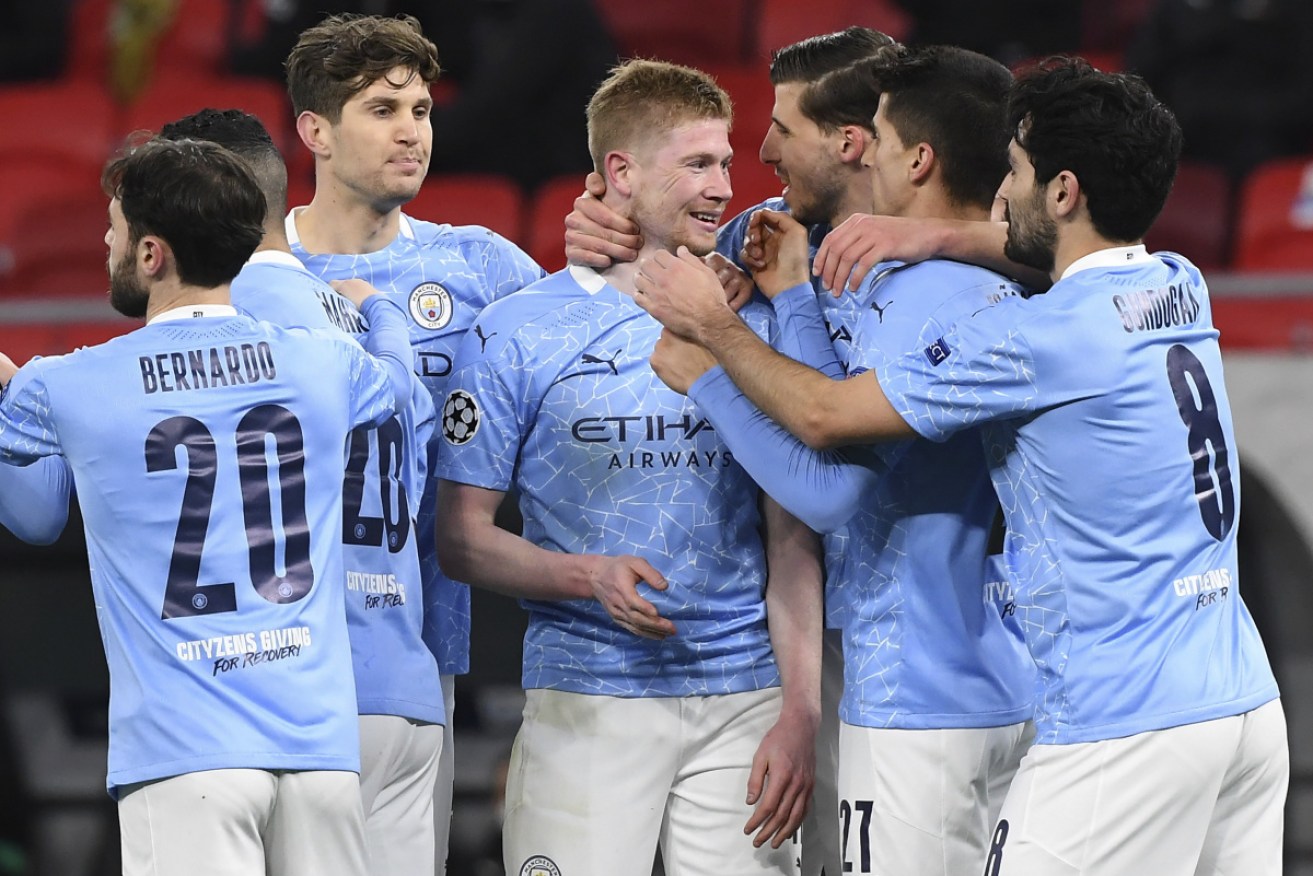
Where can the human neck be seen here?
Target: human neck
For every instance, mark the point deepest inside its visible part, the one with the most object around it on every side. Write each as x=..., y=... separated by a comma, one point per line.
x=1077, y=241
x=275, y=236
x=335, y=223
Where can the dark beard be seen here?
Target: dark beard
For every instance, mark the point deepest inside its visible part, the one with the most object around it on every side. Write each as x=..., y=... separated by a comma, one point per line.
x=1035, y=247
x=126, y=295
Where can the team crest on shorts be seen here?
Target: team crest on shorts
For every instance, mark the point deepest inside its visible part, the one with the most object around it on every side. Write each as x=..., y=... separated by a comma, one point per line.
x=460, y=418
x=430, y=305
x=540, y=865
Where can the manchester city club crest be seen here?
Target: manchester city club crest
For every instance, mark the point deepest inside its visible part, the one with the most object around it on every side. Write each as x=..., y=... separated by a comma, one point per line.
x=430, y=305
x=540, y=865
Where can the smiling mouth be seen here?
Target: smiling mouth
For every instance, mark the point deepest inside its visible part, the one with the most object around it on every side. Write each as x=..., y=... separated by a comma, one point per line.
x=709, y=218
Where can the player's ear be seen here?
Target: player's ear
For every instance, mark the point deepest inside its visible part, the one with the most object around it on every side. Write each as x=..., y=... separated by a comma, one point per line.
x=618, y=168
x=153, y=255
x=922, y=162
x=853, y=140
x=315, y=133
x=1064, y=194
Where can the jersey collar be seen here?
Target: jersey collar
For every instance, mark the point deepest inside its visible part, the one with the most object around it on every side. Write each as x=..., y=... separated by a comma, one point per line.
x=294, y=238
x=275, y=257
x=193, y=311
x=588, y=279
x=1113, y=257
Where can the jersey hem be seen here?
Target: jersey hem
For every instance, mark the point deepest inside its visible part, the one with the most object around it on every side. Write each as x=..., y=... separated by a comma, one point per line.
x=1051, y=735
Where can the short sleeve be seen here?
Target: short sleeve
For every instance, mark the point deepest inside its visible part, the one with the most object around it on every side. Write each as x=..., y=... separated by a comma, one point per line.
x=485, y=417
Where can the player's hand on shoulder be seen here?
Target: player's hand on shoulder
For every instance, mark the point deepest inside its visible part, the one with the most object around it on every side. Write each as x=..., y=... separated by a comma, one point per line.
x=862, y=241
x=783, y=254
x=596, y=235
x=782, y=778
x=615, y=582
x=737, y=284
x=355, y=290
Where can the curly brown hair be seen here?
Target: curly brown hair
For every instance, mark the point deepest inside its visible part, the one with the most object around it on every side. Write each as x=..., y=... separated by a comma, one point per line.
x=345, y=54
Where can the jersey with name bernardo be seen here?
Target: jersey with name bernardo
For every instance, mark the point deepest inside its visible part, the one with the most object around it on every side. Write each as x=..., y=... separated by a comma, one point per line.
x=444, y=275
x=924, y=648
x=841, y=316
x=395, y=672
x=1110, y=438
x=207, y=457
x=554, y=393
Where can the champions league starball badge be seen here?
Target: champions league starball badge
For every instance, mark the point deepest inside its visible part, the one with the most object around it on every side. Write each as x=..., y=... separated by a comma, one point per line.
x=460, y=417
x=430, y=305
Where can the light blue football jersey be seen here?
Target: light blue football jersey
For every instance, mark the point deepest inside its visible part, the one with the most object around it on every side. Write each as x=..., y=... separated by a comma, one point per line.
x=553, y=392
x=841, y=315
x=921, y=648
x=1110, y=440
x=207, y=457
x=444, y=275
x=34, y=499
x=395, y=672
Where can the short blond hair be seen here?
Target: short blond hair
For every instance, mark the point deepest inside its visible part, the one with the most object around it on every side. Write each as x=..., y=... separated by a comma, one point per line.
x=641, y=98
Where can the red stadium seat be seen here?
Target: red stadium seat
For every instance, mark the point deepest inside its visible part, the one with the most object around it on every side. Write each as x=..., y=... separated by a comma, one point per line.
x=1196, y=220
x=32, y=181
x=57, y=249
x=1274, y=228
x=196, y=41
x=57, y=121
x=489, y=200
x=544, y=239
x=168, y=98
x=683, y=31
x=88, y=49
x=783, y=22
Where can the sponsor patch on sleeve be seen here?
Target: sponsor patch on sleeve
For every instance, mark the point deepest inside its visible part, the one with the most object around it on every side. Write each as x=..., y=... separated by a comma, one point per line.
x=460, y=417
x=937, y=352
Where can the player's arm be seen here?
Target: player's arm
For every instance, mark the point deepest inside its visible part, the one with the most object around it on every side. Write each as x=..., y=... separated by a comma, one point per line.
x=784, y=767
x=474, y=550
x=683, y=294
x=388, y=338
x=823, y=488
x=34, y=499
x=862, y=241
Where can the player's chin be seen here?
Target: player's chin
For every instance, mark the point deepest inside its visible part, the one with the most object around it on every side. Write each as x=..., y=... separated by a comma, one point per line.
x=701, y=244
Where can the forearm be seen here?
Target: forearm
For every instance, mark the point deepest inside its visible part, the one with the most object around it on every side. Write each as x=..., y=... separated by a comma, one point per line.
x=792, y=394
x=474, y=550
x=824, y=489
x=794, y=612
x=34, y=499
x=388, y=340
x=982, y=243
x=803, y=333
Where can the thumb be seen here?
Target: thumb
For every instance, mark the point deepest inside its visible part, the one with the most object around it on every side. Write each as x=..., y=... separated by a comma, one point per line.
x=595, y=184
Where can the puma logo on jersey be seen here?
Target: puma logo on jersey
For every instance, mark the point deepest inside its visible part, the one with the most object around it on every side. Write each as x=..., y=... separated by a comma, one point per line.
x=483, y=339
x=590, y=359
x=879, y=311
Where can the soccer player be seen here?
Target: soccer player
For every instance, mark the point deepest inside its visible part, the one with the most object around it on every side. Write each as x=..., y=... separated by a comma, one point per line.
x=939, y=690
x=819, y=162
x=360, y=88
x=654, y=700
x=398, y=693
x=207, y=454
x=1160, y=741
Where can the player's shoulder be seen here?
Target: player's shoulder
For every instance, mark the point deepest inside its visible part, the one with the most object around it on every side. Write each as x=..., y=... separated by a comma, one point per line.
x=461, y=238
x=551, y=298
